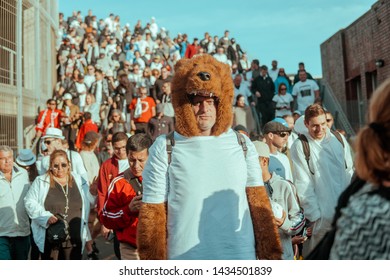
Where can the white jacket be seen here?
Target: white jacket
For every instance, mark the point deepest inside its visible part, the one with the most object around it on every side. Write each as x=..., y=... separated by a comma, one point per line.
x=319, y=193
x=35, y=201
x=13, y=216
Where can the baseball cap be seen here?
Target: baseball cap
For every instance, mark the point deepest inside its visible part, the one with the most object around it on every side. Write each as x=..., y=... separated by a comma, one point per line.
x=67, y=96
x=261, y=148
x=275, y=126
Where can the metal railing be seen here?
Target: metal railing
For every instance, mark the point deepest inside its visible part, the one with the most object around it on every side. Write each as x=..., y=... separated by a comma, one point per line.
x=331, y=104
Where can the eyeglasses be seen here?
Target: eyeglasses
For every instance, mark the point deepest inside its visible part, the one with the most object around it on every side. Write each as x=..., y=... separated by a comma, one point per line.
x=63, y=165
x=283, y=134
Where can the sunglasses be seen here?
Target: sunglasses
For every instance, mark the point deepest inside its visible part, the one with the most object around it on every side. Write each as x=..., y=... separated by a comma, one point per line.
x=283, y=88
x=283, y=134
x=63, y=165
x=52, y=103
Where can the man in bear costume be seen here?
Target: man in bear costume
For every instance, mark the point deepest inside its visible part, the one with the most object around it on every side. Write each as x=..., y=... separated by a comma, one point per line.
x=205, y=199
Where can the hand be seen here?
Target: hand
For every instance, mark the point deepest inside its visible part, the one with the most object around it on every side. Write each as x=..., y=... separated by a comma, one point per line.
x=309, y=231
x=136, y=203
x=133, y=126
x=93, y=187
x=52, y=220
x=258, y=94
x=105, y=231
x=299, y=239
x=253, y=104
x=279, y=221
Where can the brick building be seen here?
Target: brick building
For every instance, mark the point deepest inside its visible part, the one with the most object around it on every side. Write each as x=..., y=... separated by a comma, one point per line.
x=355, y=60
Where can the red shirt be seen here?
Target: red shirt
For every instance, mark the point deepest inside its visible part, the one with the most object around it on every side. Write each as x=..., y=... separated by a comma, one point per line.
x=147, y=105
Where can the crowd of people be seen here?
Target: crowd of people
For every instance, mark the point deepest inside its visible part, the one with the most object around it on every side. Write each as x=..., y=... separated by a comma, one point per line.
x=113, y=100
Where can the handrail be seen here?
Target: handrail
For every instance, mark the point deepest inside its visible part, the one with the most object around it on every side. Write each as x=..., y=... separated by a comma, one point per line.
x=332, y=104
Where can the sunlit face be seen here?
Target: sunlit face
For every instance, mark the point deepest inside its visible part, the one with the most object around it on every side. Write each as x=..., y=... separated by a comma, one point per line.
x=52, y=144
x=120, y=149
x=6, y=161
x=137, y=161
x=329, y=120
x=317, y=127
x=279, y=139
x=290, y=121
x=52, y=105
x=205, y=112
x=241, y=101
x=60, y=167
x=88, y=99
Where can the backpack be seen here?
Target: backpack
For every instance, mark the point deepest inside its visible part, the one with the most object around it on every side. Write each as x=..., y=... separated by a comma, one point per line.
x=306, y=147
x=170, y=142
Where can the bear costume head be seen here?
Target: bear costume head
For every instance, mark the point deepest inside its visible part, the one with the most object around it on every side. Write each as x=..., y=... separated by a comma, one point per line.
x=205, y=76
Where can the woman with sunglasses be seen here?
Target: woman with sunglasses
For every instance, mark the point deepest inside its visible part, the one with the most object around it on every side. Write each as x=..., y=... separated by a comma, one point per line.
x=282, y=102
x=60, y=192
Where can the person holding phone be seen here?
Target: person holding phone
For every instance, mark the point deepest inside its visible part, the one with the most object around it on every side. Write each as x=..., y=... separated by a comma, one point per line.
x=124, y=197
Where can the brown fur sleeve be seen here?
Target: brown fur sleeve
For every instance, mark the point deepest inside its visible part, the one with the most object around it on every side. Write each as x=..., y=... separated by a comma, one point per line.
x=268, y=245
x=152, y=232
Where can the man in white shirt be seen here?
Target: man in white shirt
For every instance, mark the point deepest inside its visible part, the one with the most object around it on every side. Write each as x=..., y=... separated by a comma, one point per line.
x=276, y=135
x=196, y=199
x=322, y=177
x=14, y=221
x=305, y=92
x=241, y=88
x=274, y=71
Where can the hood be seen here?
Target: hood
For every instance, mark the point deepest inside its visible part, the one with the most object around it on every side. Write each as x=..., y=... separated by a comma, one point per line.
x=203, y=75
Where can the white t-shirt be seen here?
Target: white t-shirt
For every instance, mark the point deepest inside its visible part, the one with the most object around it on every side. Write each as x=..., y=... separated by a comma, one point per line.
x=305, y=93
x=208, y=212
x=273, y=73
x=280, y=164
x=282, y=101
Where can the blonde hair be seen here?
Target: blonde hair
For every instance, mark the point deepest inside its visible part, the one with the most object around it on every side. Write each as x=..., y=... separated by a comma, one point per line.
x=372, y=160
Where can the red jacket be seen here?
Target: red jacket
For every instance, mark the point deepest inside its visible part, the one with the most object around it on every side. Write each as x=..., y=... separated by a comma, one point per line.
x=108, y=171
x=191, y=50
x=116, y=213
x=89, y=125
x=48, y=118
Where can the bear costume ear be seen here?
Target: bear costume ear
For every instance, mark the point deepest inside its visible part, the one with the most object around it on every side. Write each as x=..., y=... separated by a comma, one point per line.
x=221, y=84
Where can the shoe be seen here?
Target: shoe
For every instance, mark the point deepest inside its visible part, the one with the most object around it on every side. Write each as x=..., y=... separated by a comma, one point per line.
x=95, y=248
x=92, y=256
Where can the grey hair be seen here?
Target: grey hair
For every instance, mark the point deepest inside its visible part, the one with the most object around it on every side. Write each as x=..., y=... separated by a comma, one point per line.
x=5, y=148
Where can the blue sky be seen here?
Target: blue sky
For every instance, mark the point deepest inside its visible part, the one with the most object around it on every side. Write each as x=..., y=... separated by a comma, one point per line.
x=288, y=31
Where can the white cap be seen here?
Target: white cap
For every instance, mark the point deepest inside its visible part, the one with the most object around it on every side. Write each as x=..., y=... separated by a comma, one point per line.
x=67, y=96
x=52, y=132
